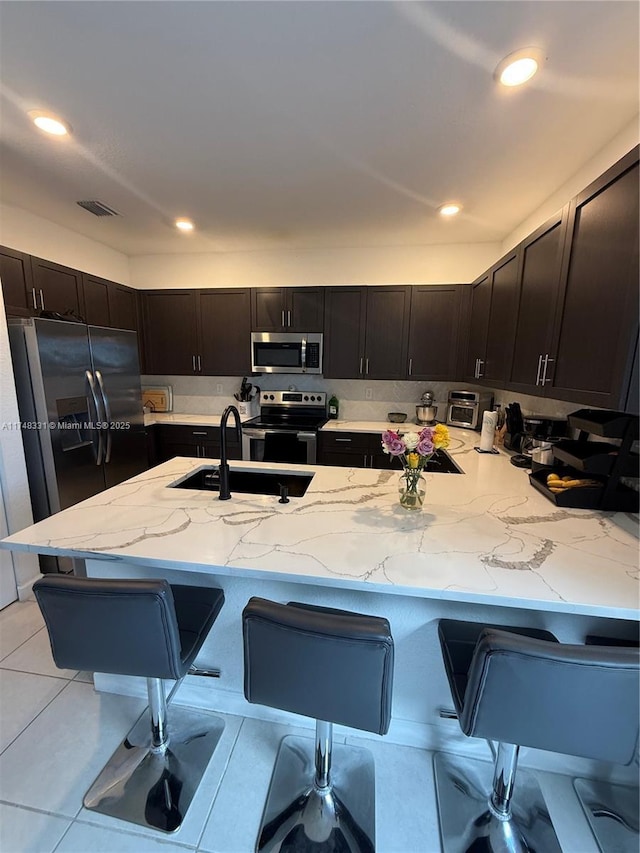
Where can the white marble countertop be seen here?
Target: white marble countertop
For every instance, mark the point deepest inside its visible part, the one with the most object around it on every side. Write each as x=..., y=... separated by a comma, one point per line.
x=486, y=536
x=181, y=419
x=373, y=426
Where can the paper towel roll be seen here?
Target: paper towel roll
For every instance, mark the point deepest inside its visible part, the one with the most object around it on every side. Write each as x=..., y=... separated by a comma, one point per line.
x=489, y=423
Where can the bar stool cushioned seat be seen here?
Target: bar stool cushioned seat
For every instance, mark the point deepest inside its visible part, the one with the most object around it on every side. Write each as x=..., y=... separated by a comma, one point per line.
x=146, y=628
x=337, y=667
x=522, y=688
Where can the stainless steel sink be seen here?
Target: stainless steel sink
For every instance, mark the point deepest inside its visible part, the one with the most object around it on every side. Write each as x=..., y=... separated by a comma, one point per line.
x=248, y=482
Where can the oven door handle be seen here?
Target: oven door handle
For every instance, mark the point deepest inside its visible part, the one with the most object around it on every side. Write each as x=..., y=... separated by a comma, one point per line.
x=254, y=433
x=305, y=436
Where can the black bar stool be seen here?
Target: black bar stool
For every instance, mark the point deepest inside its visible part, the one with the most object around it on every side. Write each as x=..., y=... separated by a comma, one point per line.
x=521, y=687
x=146, y=628
x=337, y=667
x=613, y=811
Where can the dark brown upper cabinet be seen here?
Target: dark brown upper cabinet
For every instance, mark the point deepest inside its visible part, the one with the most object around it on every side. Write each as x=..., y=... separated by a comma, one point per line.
x=344, y=331
x=20, y=298
x=493, y=316
x=96, y=300
x=596, y=328
x=478, y=328
x=225, y=319
x=434, y=329
x=57, y=288
x=287, y=309
x=123, y=307
x=197, y=332
x=170, y=332
x=539, y=285
x=366, y=332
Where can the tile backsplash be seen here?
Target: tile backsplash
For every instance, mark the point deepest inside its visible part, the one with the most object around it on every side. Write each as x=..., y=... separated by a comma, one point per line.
x=360, y=399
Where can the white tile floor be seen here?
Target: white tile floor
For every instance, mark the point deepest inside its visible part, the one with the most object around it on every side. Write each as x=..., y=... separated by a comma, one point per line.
x=56, y=733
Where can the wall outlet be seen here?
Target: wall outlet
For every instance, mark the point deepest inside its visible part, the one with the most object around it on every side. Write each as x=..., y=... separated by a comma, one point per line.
x=368, y=393
x=219, y=388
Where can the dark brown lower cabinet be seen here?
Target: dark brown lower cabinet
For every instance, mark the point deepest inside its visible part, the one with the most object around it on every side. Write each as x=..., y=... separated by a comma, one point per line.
x=354, y=450
x=199, y=442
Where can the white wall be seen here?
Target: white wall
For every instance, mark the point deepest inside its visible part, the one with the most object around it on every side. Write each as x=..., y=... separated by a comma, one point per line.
x=442, y=264
x=14, y=488
x=612, y=152
x=34, y=235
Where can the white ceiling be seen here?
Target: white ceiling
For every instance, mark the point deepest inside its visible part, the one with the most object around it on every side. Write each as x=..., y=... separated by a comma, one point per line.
x=305, y=124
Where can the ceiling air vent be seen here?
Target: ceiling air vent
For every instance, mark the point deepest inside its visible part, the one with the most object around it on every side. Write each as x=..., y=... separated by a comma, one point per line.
x=97, y=208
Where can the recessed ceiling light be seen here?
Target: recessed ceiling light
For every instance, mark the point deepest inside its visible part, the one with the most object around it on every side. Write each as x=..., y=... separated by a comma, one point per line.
x=519, y=66
x=449, y=209
x=49, y=124
x=184, y=225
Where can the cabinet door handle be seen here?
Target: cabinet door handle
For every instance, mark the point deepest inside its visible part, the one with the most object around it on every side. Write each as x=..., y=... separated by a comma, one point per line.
x=343, y=439
x=480, y=371
x=282, y=318
x=475, y=372
x=547, y=360
x=410, y=366
x=539, y=369
x=367, y=367
x=41, y=299
x=195, y=432
x=361, y=359
x=35, y=303
x=365, y=465
x=199, y=364
x=288, y=318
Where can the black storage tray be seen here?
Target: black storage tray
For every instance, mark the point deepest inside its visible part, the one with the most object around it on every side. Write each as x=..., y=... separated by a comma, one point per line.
x=593, y=457
x=622, y=499
x=585, y=497
x=602, y=422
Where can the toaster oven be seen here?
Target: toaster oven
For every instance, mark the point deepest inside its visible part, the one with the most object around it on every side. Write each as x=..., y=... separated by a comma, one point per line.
x=466, y=408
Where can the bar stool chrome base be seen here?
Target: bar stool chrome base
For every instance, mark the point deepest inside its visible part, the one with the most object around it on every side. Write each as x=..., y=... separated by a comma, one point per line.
x=612, y=812
x=155, y=788
x=467, y=824
x=337, y=819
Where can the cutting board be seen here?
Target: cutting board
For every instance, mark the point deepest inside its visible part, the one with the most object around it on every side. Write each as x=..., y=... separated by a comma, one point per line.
x=158, y=398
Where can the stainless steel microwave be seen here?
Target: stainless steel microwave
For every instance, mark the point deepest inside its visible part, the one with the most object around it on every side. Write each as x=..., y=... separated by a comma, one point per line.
x=286, y=352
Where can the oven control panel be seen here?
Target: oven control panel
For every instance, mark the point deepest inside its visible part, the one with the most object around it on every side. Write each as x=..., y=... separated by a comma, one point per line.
x=293, y=398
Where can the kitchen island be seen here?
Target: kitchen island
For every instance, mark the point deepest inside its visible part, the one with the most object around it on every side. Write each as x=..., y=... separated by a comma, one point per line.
x=486, y=546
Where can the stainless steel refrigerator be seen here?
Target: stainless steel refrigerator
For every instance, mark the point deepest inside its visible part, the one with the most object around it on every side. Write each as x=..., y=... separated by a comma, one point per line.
x=80, y=406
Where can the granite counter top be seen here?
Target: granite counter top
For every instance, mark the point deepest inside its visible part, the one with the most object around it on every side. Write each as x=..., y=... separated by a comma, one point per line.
x=486, y=536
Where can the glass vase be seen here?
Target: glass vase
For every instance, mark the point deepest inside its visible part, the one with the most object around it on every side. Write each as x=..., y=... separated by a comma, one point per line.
x=412, y=488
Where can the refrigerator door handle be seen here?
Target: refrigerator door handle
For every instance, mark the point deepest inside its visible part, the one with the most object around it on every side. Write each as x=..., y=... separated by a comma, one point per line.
x=92, y=387
x=107, y=417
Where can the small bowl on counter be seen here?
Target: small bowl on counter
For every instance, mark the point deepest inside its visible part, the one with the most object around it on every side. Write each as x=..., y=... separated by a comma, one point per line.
x=396, y=417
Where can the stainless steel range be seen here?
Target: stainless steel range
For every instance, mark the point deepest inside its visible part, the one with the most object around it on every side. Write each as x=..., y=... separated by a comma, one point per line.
x=286, y=430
